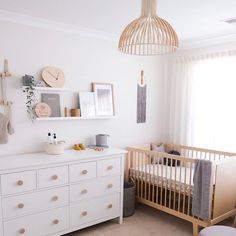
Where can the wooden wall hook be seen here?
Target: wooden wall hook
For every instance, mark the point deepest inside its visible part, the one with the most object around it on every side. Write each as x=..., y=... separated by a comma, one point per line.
x=6, y=70
x=142, y=78
x=3, y=75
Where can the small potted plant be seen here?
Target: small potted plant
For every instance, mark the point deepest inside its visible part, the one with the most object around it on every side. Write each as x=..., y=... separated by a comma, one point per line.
x=28, y=89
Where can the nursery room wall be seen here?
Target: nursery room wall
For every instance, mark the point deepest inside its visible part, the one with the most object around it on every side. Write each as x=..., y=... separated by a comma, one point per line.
x=84, y=59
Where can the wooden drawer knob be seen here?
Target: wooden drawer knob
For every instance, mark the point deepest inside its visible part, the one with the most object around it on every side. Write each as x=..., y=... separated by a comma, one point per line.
x=20, y=182
x=21, y=205
x=84, y=172
x=109, y=206
x=22, y=231
x=55, y=198
x=84, y=191
x=110, y=167
x=84, y=213
x=109, y=185
x=55, y=177
x=56, y=222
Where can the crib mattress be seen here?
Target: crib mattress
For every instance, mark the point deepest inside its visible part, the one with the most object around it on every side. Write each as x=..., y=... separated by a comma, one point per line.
x=179, y=179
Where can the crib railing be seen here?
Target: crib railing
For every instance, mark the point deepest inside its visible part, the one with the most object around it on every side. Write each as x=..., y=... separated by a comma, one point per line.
x=165, y=181
x=161, y=181
x=168, y=185
x=199, y=153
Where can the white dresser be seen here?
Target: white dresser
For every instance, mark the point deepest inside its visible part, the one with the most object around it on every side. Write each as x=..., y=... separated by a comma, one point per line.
x=54, y=195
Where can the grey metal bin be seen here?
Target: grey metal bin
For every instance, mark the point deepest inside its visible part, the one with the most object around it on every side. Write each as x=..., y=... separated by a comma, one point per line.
x=129, y=199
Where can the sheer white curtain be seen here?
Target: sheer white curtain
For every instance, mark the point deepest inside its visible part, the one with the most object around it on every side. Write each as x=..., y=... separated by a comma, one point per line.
x=201, y=103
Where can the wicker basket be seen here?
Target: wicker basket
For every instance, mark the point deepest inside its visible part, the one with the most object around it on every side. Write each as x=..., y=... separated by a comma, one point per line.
x=54, y=149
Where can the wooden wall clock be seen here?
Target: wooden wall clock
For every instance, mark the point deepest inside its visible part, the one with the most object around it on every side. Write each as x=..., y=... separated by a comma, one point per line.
x=54, y=77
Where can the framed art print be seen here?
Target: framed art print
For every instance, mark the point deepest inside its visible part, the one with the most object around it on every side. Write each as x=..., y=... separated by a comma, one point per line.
x=104, y=102
x=87, y=104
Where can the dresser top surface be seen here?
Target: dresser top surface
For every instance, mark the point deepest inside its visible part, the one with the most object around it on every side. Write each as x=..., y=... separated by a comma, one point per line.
x=18, y=161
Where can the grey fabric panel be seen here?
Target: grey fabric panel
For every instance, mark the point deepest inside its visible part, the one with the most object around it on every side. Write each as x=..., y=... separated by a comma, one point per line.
x=141, y=103
x=53, y=100
x=202, y=190
x=5, y=128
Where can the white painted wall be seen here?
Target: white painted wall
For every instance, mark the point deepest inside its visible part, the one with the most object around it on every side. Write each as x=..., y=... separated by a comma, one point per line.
x=84, y=60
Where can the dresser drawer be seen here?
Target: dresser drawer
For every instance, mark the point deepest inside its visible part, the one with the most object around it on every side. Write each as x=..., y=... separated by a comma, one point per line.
x=109, y=184
x=18, y=182
x=33, y=202
x=83, y=171
x=95, y=188
x=84, y=190
x=53, y=176
x=54, y=221
x=38, y=225
x=82, y=213
x=108, y=206
x=94, y=209
x=109, y=167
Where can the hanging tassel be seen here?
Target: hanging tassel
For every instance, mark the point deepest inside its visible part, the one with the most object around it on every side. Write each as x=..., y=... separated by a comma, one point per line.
x=141, y=99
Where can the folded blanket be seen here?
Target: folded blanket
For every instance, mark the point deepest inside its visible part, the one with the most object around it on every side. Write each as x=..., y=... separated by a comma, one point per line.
x=5, y=128
x=202, y=189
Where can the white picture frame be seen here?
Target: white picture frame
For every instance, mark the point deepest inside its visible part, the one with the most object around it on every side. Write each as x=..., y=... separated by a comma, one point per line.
x=87, y=104
x=104, y=99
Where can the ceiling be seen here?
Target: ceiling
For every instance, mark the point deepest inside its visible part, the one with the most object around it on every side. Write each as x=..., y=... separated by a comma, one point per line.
x=192, y=19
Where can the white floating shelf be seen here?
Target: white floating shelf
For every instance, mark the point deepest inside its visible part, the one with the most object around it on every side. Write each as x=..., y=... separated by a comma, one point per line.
x=49, y=89
x=73, y=118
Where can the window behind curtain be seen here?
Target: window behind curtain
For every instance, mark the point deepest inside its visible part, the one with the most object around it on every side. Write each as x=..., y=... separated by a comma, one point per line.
x=213, y=111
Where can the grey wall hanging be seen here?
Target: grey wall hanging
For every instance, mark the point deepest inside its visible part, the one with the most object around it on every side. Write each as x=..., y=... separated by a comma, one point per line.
x=141, y=99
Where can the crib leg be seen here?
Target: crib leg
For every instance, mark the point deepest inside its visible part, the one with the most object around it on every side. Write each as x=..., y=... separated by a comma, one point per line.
x=234, y=222
x=195, y=229
x=120, y=220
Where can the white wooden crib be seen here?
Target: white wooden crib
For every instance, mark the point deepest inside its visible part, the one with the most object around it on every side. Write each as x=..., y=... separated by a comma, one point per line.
x=169, y=188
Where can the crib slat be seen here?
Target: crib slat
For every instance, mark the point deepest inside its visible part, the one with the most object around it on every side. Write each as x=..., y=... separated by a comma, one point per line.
x=180, y=185
x=136, y=166
x=166, y=181
x=145, y=181
x=190, y=186
x=170, y=189
x=142, y=170
x=139, y=174
x=127, y=174
x=161, y=181
x=185, y=177
x=149, y=175
x=153, y=179
x=157, y=180
x=175, y=188
x=134, y=155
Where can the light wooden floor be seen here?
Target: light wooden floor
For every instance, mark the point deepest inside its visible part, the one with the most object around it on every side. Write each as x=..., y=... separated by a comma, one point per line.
x=145, y=222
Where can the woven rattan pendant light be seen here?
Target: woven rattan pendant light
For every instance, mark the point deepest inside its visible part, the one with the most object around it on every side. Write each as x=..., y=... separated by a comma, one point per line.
x=149, y=34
